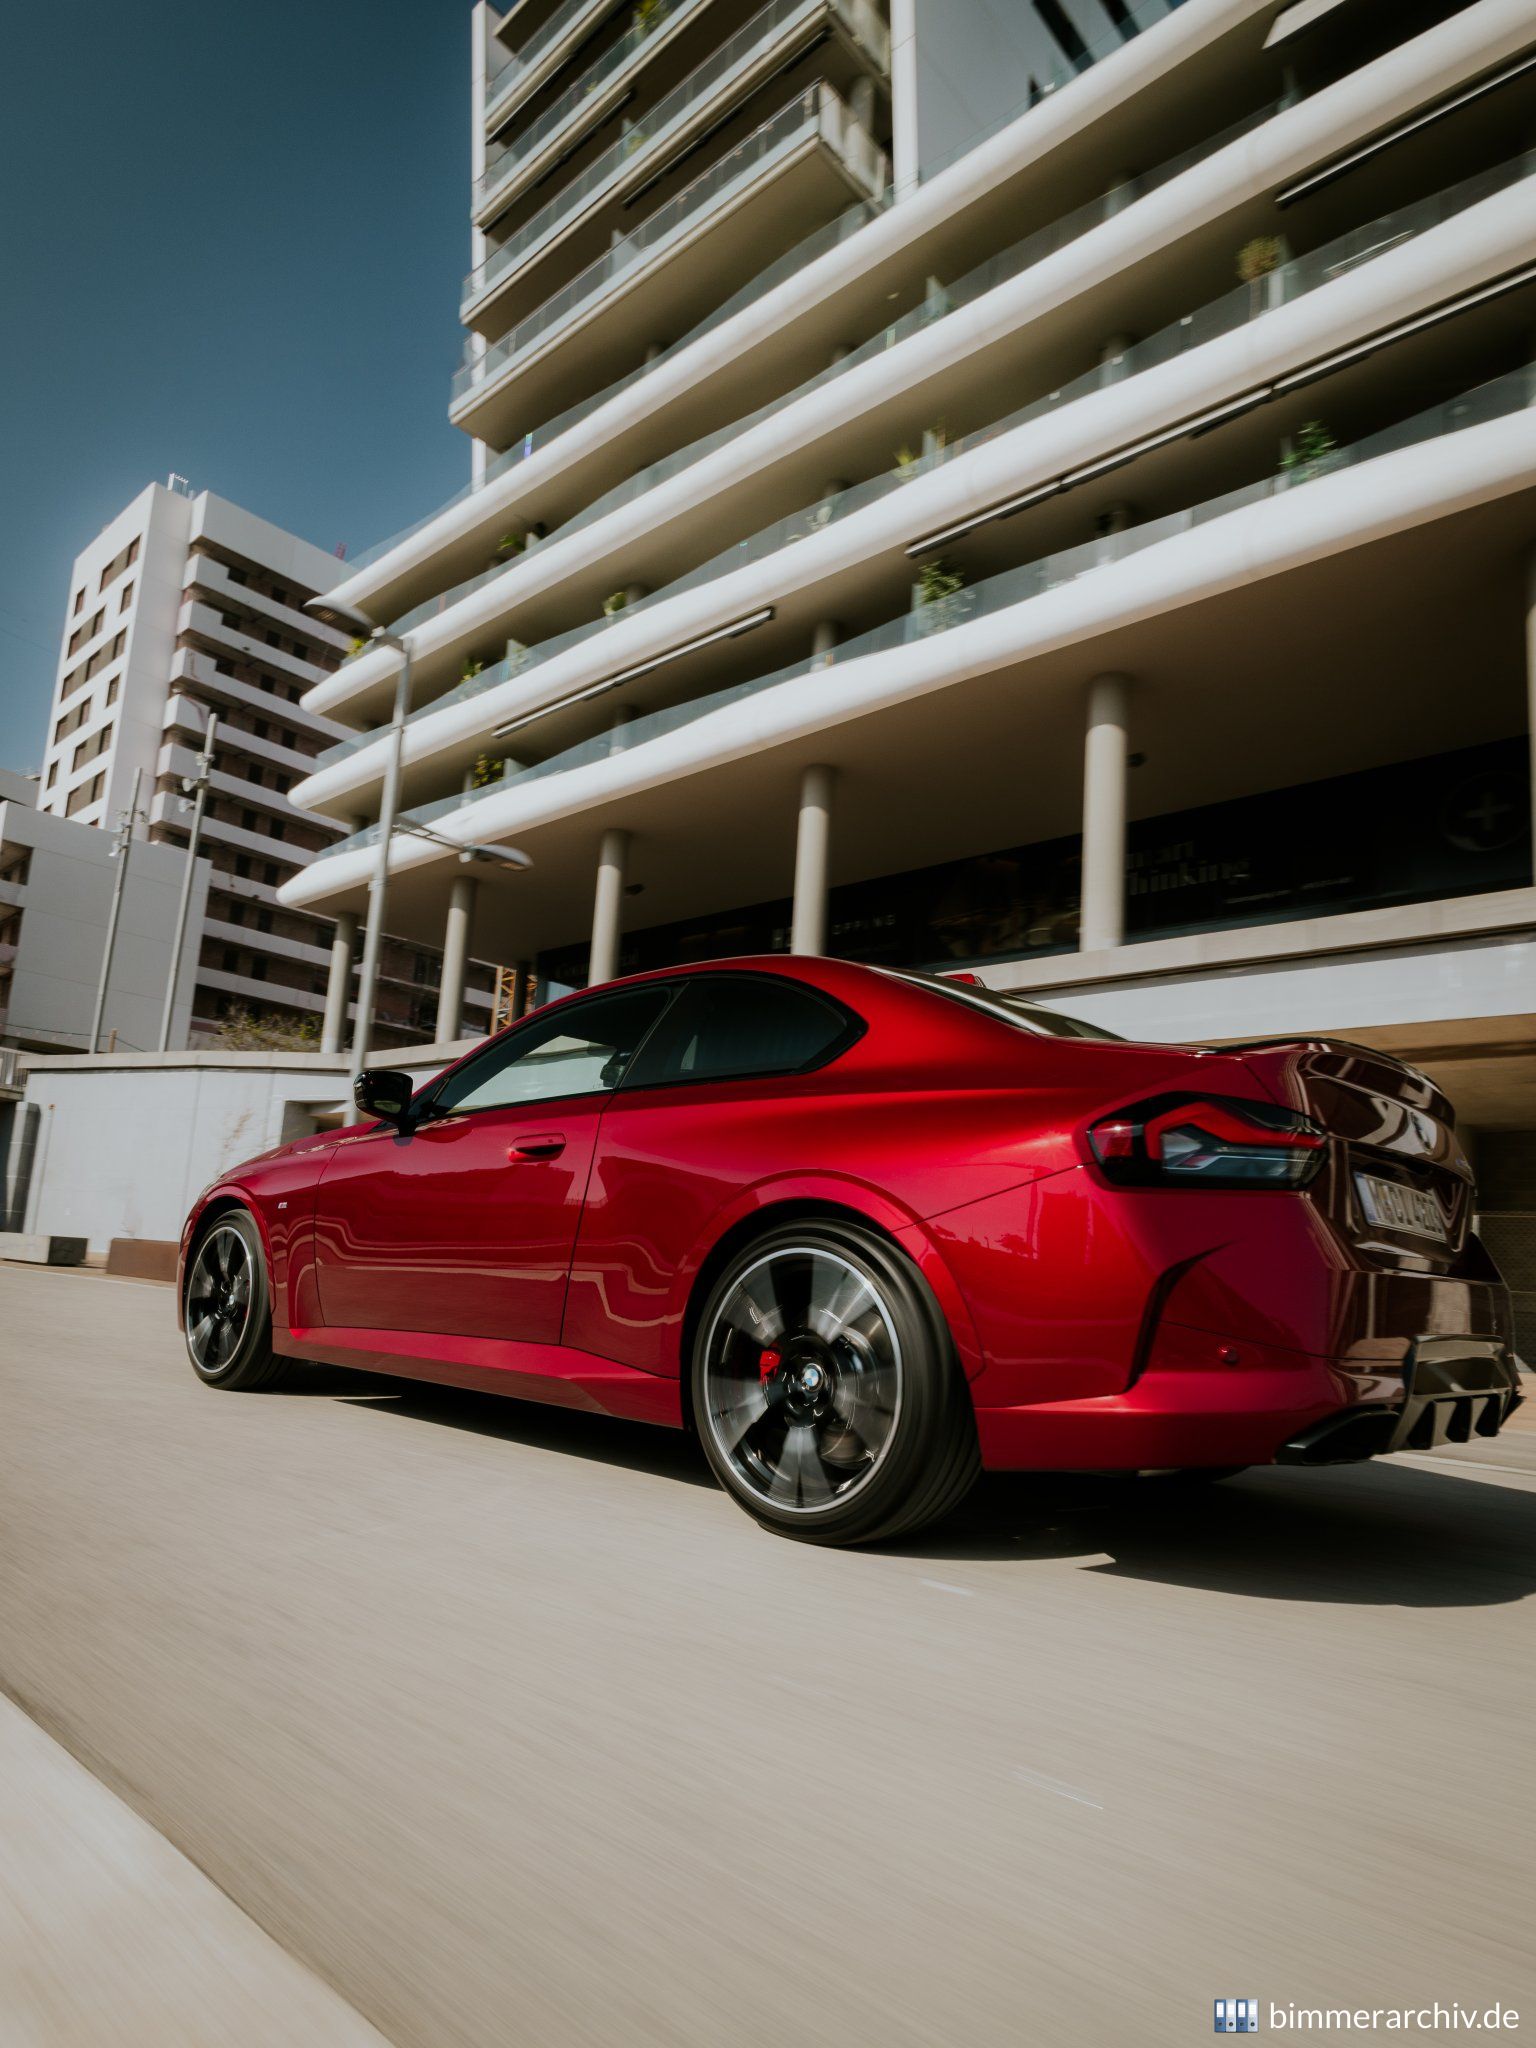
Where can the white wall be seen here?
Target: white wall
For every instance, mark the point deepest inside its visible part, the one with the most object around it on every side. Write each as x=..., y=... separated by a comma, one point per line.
x=66, y=904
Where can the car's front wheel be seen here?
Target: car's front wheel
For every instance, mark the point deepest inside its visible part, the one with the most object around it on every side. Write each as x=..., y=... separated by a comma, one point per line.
x=826, y=1390
x=229, y=1307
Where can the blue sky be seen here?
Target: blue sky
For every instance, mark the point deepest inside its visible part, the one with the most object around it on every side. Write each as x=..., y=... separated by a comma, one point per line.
x=231, y=243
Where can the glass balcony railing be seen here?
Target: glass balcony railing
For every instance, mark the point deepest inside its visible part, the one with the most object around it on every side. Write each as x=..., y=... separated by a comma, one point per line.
x=1234, y=309
x=817, y=111
x=608, y=70
x=670, y=114
x=1500, y=398
x=569, y=25
x=1142, y=14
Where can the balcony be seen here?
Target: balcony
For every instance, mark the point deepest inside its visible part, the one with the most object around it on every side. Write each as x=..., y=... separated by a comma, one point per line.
x=269, y=993
x=169, y=811
x=917, y=687
x=184, y=715
x=836, y=284
x=260, y=941
x=208, y=624
x=204, y=573
x=679, y=521
x=175, y=760
x=200, y=674
x=522, y=74
x=512, y=166
x=693, y=108
x=804, y=163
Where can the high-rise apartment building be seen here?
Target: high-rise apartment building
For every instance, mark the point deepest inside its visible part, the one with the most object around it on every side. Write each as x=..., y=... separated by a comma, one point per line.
x=1046, y=487
x=185, y=605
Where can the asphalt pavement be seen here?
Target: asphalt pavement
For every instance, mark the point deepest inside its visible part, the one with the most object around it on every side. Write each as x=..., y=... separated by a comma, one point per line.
x=509, y=1728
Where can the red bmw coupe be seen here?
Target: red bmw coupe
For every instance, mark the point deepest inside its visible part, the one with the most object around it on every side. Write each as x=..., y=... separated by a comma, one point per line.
x=867, y=1231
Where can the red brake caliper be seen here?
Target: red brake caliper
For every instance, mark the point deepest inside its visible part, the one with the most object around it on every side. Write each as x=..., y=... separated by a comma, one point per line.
x=768, y=1364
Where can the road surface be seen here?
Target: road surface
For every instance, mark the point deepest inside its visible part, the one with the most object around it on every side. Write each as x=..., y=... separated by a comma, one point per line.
x=511, y=1729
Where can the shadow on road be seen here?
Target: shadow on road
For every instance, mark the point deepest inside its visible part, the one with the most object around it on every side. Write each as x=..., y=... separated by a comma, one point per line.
x=1379, y=1534
x=573, y=1432
x=1382, y=1534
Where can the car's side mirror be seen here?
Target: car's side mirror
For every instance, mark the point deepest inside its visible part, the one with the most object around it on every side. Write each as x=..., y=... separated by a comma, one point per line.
x=381, y=1092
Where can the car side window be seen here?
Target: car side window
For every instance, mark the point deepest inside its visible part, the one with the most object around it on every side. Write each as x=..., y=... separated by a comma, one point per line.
x=578, y=1049
x=734, y=1026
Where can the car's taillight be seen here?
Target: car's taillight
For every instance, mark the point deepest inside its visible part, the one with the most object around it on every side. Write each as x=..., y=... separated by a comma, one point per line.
x=1207, y=1141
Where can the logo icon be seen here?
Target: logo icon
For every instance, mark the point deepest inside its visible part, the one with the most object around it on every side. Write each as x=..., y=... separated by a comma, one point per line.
x=1237, y=2015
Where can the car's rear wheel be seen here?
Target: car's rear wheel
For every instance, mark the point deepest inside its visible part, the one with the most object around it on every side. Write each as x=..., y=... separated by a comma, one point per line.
x=229, y=1307
x=826, y=1390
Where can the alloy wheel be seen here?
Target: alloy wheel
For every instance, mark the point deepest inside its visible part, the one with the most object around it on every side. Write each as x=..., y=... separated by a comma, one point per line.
x=219, y=1296
x=802, y=1378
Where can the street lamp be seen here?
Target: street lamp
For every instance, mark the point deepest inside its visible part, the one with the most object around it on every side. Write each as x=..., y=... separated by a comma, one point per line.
x=196, y=787
x=122, y=846
x=331, y=613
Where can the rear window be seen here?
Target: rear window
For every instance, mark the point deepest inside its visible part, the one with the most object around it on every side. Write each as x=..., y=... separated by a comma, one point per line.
x=1007, y=1009
x=733, y=1026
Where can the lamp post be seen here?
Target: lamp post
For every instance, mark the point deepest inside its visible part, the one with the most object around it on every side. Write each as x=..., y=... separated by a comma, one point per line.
x=330, y=613
x=122, y=843
x=196, y=787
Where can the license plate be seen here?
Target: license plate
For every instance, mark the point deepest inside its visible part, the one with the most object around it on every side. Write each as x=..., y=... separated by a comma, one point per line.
x=1393, y=1206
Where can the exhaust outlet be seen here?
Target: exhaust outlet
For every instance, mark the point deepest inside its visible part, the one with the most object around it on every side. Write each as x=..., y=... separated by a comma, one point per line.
x=1341, y=1439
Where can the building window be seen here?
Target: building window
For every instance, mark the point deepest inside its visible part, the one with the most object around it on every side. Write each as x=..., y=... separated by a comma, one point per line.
x=79, y=600
x=125, y=597
x=111, y=698
x=231, y=960
x=269, y=874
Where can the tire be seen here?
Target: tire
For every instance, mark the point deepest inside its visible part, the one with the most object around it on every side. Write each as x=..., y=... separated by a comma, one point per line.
x=826, y=1390
x=229, y=1308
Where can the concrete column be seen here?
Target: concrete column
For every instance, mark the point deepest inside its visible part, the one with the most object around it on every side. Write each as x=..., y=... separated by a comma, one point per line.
x=904, y=150
x=813, y=835
x=1105, y=767
x=607, y=905
x=338, y=987
x=824, y=637
x=1530, y=670
x=450, y=993
x=623, y=714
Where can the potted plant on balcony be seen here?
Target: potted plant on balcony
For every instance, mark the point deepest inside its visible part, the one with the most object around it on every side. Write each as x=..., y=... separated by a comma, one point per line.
x=1310, y=452
x=614, y=603
x=488, y=768
x=1257, y=260
x=938, y=596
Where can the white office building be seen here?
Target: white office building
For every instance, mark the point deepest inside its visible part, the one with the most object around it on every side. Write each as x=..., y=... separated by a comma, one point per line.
x=1047, y=487
x=185, y=605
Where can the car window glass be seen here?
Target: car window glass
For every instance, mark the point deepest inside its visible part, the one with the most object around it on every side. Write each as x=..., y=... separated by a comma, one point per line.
x=579, y=1049
x=731, y=1026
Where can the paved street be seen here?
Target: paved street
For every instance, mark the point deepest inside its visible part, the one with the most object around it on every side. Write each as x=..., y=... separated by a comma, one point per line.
x=512, y=1730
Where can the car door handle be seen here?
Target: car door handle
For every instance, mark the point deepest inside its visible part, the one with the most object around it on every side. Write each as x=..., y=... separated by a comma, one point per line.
x=546, y=1145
